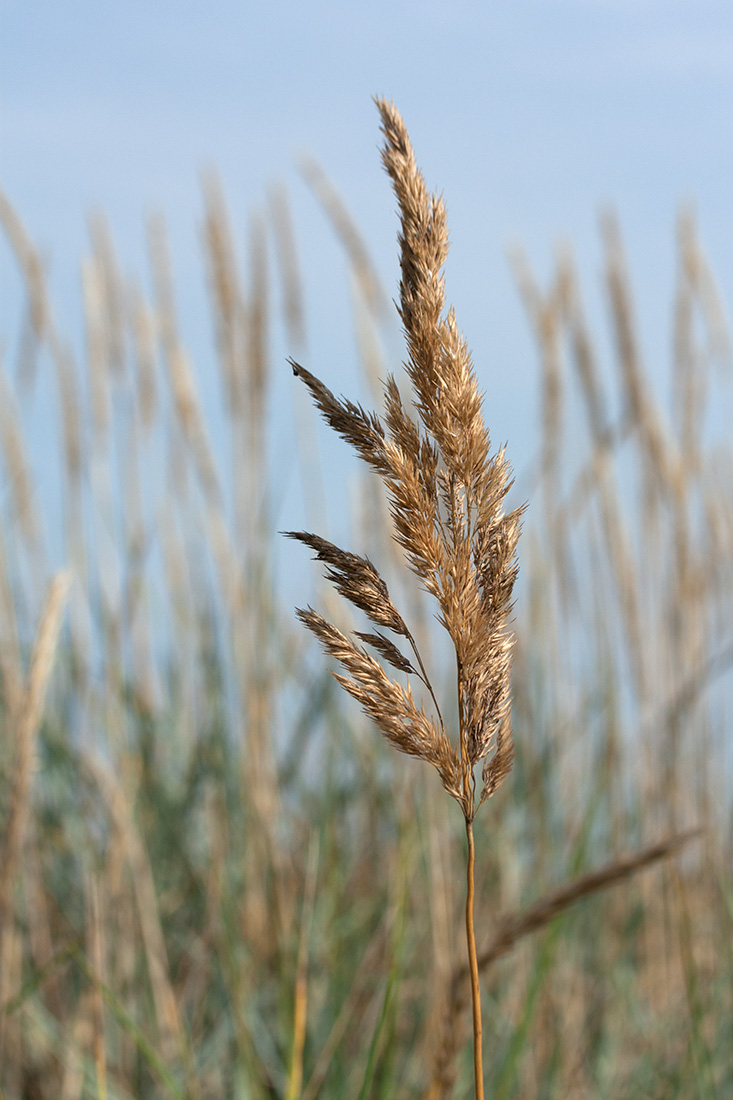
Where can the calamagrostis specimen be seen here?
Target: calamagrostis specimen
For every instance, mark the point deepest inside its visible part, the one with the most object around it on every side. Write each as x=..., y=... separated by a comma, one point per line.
x=446, y=492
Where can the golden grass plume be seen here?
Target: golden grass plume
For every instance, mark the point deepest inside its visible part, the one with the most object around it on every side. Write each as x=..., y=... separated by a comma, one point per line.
x=446, y=491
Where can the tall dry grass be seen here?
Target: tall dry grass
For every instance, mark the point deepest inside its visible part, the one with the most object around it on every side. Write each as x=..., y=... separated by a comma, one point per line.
x=215, y=883
x=446, y=493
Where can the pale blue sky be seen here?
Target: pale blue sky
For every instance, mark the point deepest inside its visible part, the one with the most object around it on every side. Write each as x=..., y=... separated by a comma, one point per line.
x=528, y=114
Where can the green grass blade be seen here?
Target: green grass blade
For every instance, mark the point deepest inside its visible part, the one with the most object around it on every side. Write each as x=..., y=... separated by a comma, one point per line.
x=128, y=1025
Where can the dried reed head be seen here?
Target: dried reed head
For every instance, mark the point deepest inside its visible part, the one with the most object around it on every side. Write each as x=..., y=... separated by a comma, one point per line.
x=446, y=491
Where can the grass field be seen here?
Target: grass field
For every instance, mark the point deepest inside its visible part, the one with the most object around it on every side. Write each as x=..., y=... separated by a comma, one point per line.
x=217, y=879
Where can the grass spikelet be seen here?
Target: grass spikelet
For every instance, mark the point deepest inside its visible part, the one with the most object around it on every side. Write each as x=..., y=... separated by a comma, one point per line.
x=446, y=491
x=15, y=459
x=31, y=265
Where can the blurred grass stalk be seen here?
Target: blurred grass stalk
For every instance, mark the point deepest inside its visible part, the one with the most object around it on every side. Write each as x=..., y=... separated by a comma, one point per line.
x=164, y=929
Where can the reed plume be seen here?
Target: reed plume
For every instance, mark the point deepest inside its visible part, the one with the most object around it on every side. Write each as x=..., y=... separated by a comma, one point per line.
x=446, y=491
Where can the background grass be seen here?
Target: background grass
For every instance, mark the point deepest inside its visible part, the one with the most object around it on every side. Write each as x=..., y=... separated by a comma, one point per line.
x=225, y=885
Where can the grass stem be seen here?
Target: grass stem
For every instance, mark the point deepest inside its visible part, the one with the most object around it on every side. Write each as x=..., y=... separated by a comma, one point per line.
x=473, y=966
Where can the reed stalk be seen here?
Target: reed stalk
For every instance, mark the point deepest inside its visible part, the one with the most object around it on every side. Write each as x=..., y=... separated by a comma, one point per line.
x=446, y=492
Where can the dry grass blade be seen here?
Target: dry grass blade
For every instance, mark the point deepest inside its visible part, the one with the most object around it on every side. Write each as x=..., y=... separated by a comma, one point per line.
x=166, y=1006
x=96, y=954
x=11, y=667
x=300, y=1010
x=350, y=1006
x=513, y=928
x=29, y=720
x=42, y=658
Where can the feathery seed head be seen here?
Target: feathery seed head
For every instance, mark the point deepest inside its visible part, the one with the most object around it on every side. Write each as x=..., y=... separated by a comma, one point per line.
x=446, y=492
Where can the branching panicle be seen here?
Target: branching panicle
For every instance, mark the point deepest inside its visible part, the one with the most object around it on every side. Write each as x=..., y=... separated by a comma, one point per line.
x=446, y=493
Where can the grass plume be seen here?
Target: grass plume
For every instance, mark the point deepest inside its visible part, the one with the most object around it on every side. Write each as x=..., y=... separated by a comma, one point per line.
x=447, y=492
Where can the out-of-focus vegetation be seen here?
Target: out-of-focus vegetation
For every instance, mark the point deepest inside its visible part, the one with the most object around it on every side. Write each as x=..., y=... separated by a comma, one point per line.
x=216, y=881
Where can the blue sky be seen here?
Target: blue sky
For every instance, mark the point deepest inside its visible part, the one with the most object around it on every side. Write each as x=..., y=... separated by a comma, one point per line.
x=530, y=115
